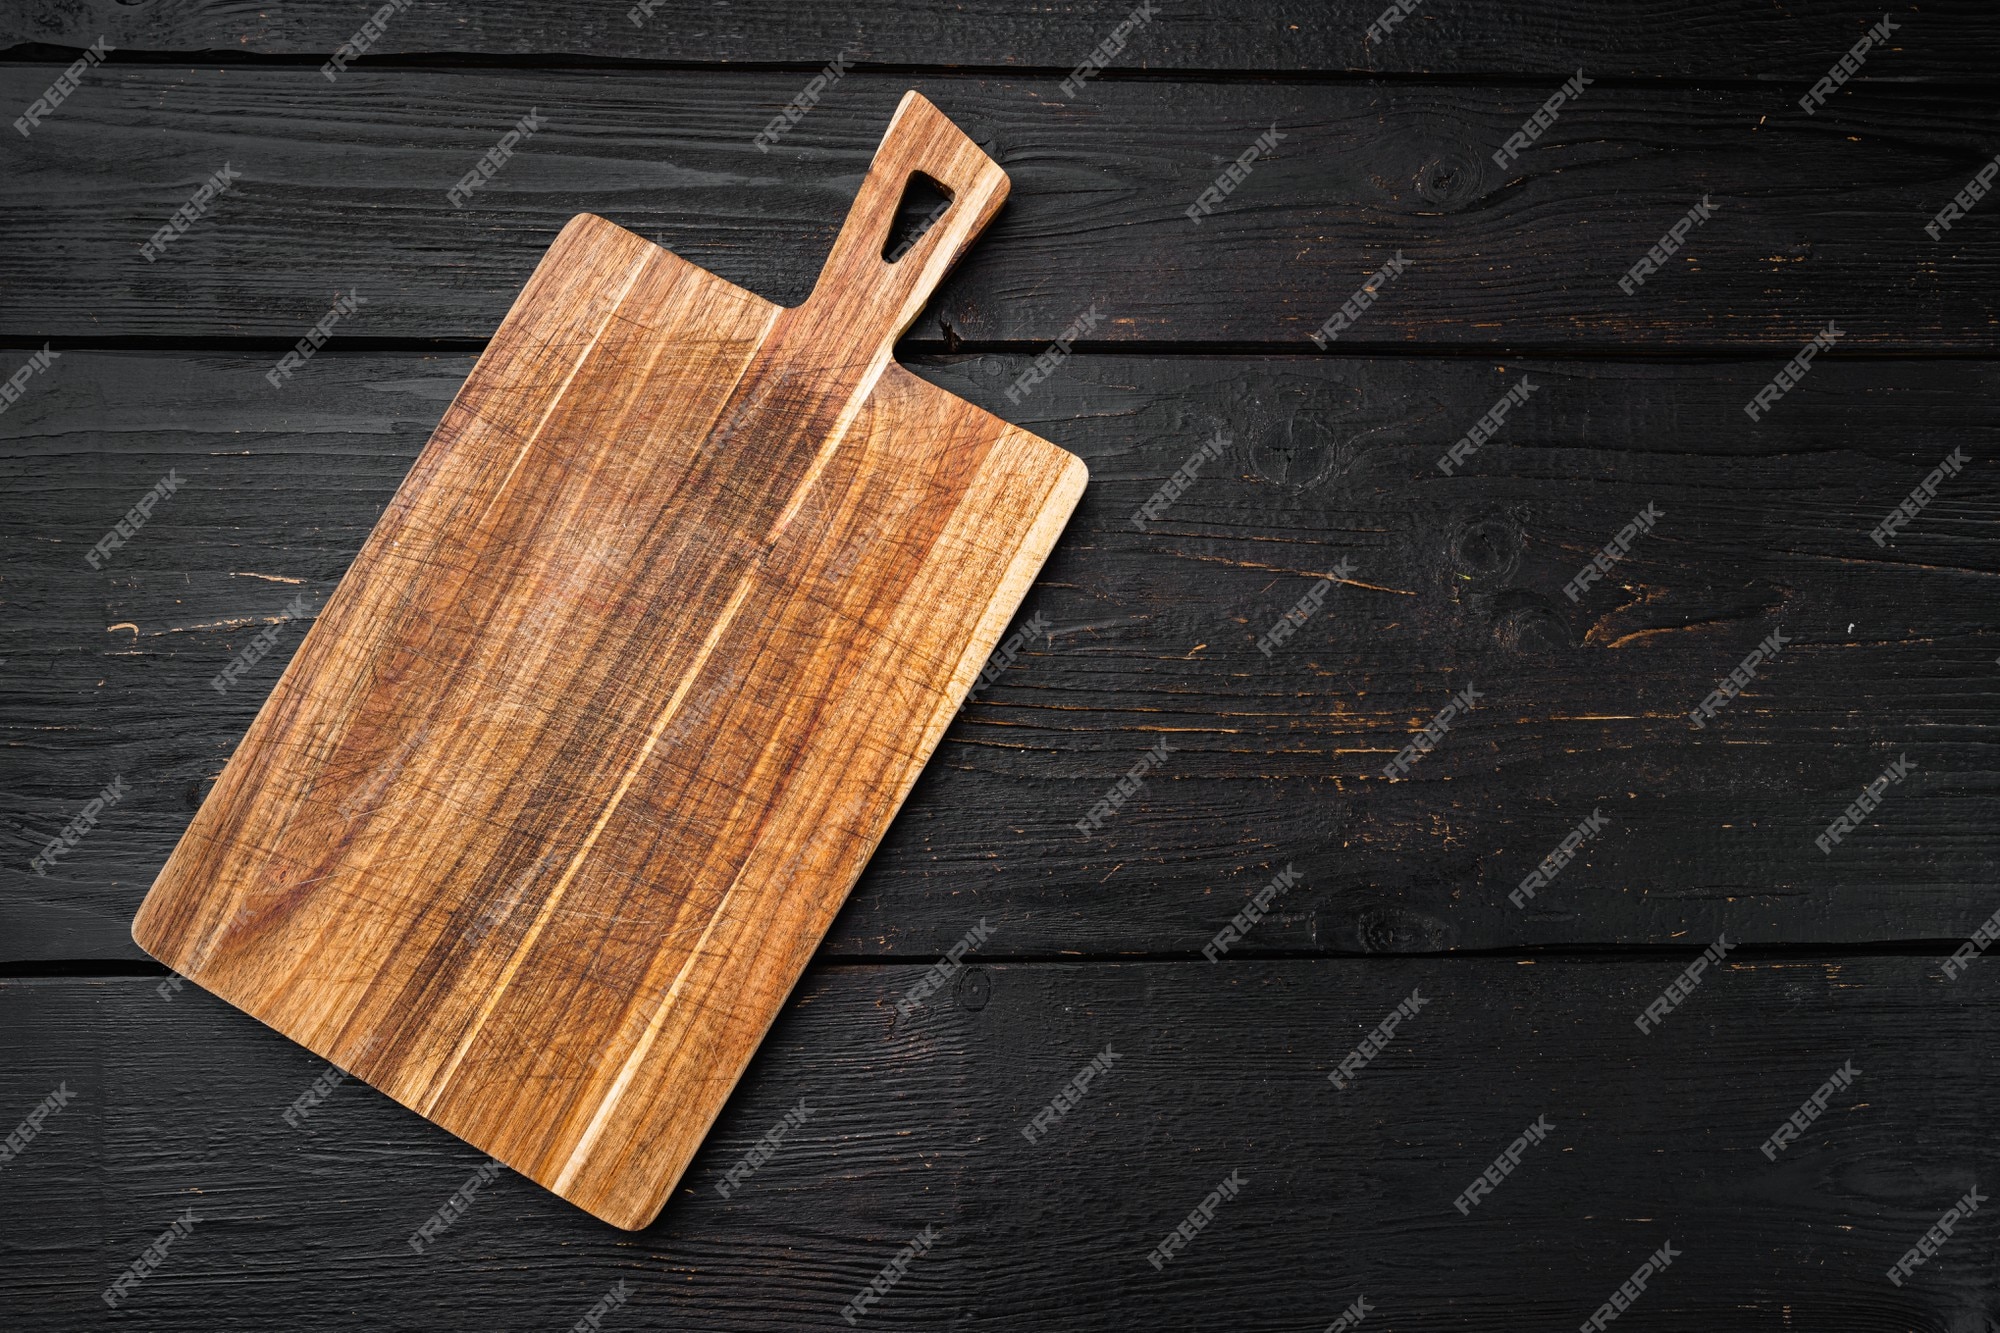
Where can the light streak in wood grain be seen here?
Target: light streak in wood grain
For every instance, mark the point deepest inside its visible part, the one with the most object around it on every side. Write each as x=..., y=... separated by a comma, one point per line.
x=442, y=1080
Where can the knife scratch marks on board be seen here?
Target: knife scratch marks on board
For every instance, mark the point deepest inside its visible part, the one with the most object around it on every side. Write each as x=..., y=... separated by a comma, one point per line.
x=507, y=973
x=587, y=1141
x=500, y=491
x=850, y=409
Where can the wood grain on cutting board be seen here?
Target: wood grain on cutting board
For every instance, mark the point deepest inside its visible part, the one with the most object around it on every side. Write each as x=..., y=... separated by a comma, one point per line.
x=558, y=796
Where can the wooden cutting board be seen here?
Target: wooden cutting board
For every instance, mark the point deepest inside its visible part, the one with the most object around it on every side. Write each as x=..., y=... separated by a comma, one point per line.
x=563, y=788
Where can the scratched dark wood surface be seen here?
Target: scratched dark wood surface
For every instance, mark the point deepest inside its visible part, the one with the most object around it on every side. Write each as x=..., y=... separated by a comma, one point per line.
x=346, y=185
x=1331, y=455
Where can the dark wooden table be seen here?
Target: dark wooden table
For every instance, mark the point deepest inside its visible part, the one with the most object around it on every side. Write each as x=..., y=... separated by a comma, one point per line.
x=162, y=1103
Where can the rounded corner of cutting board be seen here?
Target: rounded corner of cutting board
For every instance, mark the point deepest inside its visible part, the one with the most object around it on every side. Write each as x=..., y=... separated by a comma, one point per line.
x=637, y=1219
x=589, y=230
x=585, y=222
x=147, y=936
x=626, y=1200
x=588, y=238
x=1076, y=474
x=1071, y=473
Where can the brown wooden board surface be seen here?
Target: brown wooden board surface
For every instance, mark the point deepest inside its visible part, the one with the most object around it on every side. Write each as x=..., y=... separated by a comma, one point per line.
x=1153, y=634
x=180, y=1103
x=575, y=766
x=346, y=187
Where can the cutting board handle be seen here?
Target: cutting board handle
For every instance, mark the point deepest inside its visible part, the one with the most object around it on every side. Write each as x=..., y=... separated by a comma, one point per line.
x=859, y=292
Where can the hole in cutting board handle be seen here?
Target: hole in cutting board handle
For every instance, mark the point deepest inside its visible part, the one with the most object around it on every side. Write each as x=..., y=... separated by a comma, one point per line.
x=924, y=203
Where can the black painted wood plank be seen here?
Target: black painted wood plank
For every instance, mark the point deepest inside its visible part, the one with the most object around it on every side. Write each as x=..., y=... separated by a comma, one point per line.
x=1686, y=38
x=179, y=1103
x=1456, y=581
x=344, y=188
